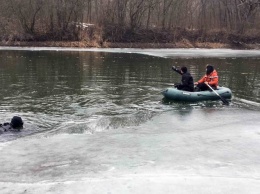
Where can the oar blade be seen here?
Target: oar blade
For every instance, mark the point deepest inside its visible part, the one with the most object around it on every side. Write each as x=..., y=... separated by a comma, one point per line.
x=223, y=99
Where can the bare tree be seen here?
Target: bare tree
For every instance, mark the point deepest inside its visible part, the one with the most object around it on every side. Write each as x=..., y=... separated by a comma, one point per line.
x=60, y=19
x=26, y=11
x=137, y=10
x=247, y=10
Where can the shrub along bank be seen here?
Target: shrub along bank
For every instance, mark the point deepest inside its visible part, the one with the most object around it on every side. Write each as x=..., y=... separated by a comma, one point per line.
x=113, y=36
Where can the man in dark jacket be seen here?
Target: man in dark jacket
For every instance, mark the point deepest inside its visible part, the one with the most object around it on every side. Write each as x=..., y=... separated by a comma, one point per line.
x=186, y=79
x=15, y=125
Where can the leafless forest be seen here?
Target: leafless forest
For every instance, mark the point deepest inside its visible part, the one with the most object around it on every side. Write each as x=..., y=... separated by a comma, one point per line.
x=131, y=21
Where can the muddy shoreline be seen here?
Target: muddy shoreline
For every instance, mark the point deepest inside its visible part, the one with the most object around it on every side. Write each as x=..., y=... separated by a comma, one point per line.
x=84, y=44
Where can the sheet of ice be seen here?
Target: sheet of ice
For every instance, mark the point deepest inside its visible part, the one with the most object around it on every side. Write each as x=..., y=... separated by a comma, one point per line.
x=170, y=53
x=204, y=150
x=209, y=150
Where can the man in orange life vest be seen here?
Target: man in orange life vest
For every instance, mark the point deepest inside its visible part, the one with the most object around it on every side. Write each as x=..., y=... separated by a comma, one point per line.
x=211, y=78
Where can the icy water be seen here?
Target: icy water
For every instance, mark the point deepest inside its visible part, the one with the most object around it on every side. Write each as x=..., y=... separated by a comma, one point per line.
x=95, y=122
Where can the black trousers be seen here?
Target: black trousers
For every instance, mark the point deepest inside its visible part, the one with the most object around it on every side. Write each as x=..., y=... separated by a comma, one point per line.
x=184, y=88
x=203, y=87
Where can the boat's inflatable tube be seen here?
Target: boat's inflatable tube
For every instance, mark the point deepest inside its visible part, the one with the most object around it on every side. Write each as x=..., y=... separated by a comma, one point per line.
x=179, y=95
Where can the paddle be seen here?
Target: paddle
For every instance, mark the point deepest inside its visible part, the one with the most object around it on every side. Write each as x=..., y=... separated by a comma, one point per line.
x=223, y=99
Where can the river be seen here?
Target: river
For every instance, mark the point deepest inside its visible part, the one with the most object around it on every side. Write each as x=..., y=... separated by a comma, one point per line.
x=95, y=122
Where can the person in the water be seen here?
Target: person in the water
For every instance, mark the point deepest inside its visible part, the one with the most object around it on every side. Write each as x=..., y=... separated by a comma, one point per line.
x=186, y=79
x=16, y=124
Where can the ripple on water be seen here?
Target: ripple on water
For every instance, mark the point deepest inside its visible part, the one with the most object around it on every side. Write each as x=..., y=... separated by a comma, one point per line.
x=85, y=96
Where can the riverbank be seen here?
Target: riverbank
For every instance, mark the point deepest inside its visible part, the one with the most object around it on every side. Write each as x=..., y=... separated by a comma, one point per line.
x=85, y=44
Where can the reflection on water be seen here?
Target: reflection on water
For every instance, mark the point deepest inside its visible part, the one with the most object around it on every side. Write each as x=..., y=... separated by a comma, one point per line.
x=85, y=92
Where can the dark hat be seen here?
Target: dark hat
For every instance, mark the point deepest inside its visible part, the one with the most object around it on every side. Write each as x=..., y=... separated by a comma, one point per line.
x=209, y=69
x=184, y=69
x=17, y=122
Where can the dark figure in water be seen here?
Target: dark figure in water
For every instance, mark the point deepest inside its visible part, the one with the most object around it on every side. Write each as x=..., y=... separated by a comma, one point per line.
x=186, y=79
x=16, y=124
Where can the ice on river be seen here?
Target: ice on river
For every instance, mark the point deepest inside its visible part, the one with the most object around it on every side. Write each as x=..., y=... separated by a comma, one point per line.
x=211, y=150
x=166, y=53
x=184, y=150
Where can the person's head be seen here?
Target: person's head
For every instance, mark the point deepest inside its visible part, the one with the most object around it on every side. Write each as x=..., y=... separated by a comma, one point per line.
x=17, y=122
x=184, y=69
x=209, y=69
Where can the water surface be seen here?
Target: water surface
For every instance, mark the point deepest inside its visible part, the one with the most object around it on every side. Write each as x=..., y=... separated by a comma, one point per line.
x=56, y=90
x=97, y=117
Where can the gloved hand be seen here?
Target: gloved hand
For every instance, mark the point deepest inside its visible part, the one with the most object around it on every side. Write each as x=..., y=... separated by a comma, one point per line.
x=173, y=68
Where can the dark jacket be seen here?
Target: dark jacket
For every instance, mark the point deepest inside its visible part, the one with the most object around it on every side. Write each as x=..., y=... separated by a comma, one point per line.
x=8, y=127
x=15, y=125
x=187, y=81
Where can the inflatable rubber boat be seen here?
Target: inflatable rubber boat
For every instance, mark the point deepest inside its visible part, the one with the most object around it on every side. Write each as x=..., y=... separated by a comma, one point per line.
x=180, y=95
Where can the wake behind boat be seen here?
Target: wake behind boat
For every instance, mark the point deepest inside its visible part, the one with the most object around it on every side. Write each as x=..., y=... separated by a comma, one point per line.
x=180, y=95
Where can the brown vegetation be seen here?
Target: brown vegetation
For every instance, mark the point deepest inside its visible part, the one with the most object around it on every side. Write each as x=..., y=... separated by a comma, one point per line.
x=131, y=23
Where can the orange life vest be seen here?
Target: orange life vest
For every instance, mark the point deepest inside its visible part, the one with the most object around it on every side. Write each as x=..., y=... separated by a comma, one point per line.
x=212, y=79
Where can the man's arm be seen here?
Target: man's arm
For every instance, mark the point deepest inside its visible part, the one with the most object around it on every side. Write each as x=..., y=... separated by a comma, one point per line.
x=177, y=70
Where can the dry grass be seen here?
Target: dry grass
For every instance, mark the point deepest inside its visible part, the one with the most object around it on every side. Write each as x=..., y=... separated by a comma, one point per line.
x=114, y=38
x=76, y=44
x=211, y=45
x=94, y=44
